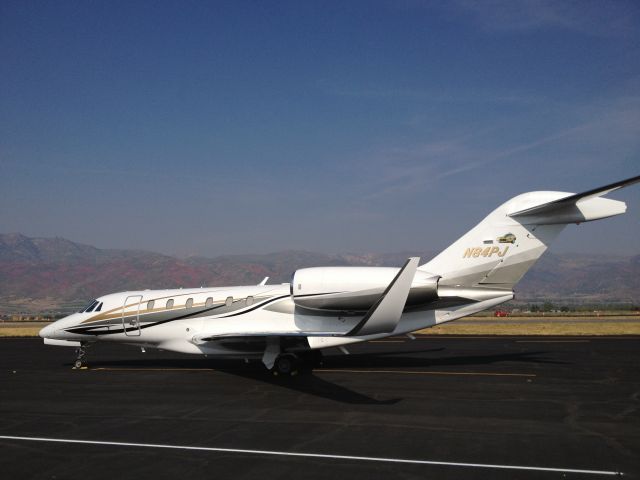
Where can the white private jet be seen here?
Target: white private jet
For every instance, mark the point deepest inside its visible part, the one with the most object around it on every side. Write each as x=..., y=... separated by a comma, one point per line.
x=288, y=324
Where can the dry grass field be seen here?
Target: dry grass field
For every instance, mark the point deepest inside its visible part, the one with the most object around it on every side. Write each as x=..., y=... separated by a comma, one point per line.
x=539, y=326
x=21, y=329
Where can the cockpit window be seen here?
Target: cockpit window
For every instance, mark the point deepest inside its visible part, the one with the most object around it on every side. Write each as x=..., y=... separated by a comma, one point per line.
x=99, y=307
x=89, y=307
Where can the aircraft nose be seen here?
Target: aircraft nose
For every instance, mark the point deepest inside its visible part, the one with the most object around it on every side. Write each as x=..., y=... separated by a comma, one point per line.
x=46, y=331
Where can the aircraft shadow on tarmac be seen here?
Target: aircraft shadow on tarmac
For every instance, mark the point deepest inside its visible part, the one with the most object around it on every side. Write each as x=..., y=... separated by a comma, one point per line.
x=305, y=382
x=312, y=384
x=402, y=358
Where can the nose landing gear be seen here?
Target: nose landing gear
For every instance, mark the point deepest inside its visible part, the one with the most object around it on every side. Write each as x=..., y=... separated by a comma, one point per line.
x=81, y=352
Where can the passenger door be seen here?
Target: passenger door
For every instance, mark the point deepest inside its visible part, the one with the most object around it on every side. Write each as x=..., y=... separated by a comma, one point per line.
x=131, y=317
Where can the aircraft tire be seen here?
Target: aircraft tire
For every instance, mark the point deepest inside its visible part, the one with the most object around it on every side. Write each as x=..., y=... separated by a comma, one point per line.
x=286, y=365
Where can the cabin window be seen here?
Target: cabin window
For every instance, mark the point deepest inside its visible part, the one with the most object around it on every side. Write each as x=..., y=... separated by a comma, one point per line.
x=249, y=301
x=99, y=307
x=150, y=304
x=170, y=303
x=228, y=301
x=189, y=303
x=209, y=302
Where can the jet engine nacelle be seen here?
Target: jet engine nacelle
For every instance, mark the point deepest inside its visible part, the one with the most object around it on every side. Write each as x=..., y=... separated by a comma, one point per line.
x=354, y=289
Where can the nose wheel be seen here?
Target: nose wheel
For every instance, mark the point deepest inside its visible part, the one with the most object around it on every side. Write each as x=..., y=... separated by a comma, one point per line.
x=81, y=353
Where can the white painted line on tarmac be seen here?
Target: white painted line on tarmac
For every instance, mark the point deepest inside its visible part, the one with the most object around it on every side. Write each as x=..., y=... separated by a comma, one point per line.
x=312, y=455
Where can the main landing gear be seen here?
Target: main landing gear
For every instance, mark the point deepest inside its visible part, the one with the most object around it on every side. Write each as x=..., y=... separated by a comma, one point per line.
x=291, y=359
x=289, y=364
x=81, y=352
x=286, y=364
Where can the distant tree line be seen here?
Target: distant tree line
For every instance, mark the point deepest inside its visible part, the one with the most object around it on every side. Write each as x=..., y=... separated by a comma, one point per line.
x=601, y=307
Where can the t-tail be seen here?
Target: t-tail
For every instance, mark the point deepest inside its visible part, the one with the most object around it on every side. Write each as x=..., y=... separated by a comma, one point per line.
x=498, y=251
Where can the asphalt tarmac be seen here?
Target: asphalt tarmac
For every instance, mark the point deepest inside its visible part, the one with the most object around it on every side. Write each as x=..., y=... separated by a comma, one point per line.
x=436, y=407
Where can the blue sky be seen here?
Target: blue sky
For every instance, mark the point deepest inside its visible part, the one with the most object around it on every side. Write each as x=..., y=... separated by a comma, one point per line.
x=246, y=127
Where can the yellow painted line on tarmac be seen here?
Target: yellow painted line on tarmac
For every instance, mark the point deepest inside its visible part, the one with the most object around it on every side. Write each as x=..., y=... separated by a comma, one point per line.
x=553, y=341
x=329, y=370
x=434, y=336
x=428, y=372
x=109, y=369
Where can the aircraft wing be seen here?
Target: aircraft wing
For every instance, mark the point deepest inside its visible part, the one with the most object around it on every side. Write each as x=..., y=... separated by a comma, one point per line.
x=382, y=317
x=385, y=314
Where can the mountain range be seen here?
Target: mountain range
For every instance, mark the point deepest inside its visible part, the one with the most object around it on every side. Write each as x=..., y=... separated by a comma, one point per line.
x=56, y=274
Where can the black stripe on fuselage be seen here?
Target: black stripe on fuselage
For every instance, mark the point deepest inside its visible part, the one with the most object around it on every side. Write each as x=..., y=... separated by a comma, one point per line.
x=90, y=330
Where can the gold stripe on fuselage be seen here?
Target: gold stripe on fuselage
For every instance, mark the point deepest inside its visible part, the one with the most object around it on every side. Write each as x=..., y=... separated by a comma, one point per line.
x=118, y=311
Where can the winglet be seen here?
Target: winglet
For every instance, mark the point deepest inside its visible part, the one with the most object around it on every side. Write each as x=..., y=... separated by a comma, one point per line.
x=263, y=282
x=385, y=314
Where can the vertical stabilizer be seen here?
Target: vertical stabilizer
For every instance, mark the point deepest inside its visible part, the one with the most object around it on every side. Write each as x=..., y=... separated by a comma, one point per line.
x=497, y=252
x=501, y=248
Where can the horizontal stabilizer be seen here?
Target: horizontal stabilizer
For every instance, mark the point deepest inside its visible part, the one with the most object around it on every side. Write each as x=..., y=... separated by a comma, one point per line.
x=385, y=314
x=571, y=201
